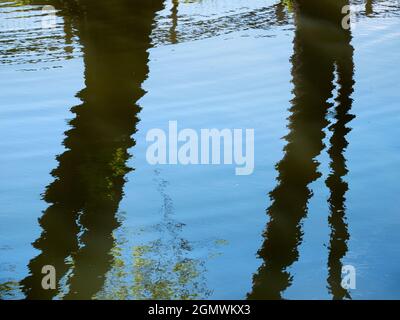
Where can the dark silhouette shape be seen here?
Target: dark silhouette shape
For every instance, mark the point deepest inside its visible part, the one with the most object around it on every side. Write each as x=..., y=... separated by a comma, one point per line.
x=369, y=9
x=320, y=44
x=174, y=20
x=89, y=180
x=335, y=182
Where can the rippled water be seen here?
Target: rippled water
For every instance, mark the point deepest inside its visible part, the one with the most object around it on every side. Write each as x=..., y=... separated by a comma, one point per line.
x=76, y=190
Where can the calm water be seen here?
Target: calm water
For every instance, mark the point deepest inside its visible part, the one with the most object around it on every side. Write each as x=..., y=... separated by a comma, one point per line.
x=76, y=190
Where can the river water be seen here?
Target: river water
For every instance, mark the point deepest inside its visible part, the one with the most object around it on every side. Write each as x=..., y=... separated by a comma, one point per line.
x=83, y=82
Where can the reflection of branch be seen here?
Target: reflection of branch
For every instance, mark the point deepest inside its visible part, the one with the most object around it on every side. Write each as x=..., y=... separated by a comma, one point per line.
x=161, y=268
x=9, y=290
x=174, y=18
x=191, y=29
x=369, y=7
x=31, y=45
x=25, y=41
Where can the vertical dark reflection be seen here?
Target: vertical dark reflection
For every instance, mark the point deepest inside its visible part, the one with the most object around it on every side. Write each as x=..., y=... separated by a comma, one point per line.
x=319, y=44
x=369, y=9
x=88, y=183
x=173, y=36
x=335, y=182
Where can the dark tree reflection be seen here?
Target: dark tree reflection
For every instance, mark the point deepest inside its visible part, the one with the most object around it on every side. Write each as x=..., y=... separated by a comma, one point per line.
x=335, y=182
x=89, y=180
x=321, y=47
x=369, y=10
